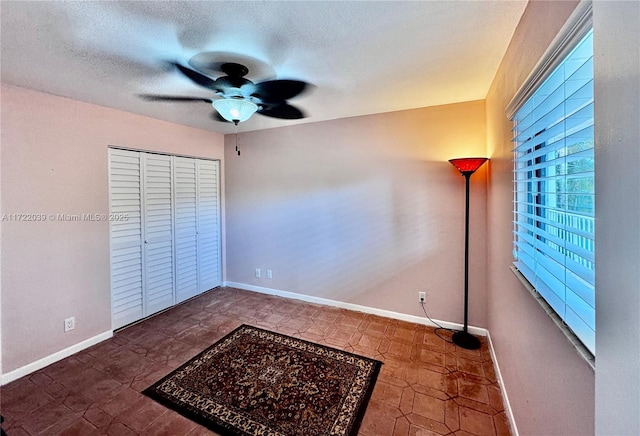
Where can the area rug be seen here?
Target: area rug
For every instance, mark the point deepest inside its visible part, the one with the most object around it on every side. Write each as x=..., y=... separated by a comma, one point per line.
x=257, y=382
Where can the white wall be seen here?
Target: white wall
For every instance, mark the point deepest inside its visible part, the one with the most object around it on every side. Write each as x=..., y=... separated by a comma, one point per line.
x=617, y=103
x=54, y=160
x=362, y=210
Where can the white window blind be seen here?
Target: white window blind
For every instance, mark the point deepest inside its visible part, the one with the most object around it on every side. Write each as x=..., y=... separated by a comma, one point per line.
x=554, y=201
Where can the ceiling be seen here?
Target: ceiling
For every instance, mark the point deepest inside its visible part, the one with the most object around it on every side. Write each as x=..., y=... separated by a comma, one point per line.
x=362, y=57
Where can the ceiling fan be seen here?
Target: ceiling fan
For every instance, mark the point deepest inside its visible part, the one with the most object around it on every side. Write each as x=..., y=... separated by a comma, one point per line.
x=238, y=98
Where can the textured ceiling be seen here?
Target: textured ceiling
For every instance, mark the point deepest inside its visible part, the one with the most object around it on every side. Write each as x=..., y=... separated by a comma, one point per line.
x=363, y=57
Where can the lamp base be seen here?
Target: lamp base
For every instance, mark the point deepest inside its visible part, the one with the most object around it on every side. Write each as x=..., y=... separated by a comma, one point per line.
x=465, y=340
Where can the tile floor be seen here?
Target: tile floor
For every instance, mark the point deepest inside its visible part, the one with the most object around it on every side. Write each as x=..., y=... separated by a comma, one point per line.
x=427, y=386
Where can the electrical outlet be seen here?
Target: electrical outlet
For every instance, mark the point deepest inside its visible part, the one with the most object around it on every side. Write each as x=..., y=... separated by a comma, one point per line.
x=422, y=297
x=269, y=274
x=69, y=324
x=258, y=273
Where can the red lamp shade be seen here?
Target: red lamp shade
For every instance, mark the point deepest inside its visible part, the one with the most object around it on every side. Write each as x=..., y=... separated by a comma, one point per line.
x=468, y=164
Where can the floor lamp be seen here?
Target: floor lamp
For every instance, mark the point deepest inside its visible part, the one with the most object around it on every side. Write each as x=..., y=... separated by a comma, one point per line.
x=466, y=166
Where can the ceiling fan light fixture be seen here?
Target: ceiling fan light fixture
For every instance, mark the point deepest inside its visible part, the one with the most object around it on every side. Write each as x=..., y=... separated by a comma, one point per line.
x=235, y=110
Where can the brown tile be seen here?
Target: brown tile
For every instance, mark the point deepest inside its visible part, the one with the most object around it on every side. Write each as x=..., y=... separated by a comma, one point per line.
x=202, y=431
x=119, y=429
x=428, y=407
x=475, y=405
x=141, y=414
x=473, y=391
x=19, y=431
x=50, y=415
x=422, y=423
x=328, y=315
x=40, y=379
x=22, y=397
x=318, y=327
x=97, y=417
x=369, y=341
x=379, y=419
x=65, y=368
x=478, y=354
x=415, y=430
x=476, y=422
x=402, y=427
x=427, y=378
x=428, y=355
x=502, y=424
x=170, y=424
x=76, y=403
x=91, y=384
x=341, y=334
x=196, y=335
x=298, y=324
x=276, y=318
x=470, y=366
x=121, y=401
x=399, y=350
x=350, y=321
x=79, y=428
x=387, y=393
x=489, y=371
x=406, y=400
x=424, y=387
x=307, y=311
x=398, y=369
x=392, y=377
x=377, y=329
x=57, y=390
x=172, y=329
x=404, y=334
x=430, y=392
x=451, y=384
x=452, y=415
x=495, y=398
x=433, y=341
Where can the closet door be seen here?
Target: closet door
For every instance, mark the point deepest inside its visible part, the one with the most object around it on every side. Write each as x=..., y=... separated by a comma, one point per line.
x=168, y=250
x=208, y=224
x=158, y=232
x=125, y=197
x=186, y=226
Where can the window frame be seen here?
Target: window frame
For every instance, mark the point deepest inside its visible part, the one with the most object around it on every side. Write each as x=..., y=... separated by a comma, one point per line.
x=578, y=25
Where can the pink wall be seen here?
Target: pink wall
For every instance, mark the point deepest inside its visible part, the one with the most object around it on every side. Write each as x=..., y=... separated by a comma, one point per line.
x=550, y=387
x=54, y=160
x=363, y=210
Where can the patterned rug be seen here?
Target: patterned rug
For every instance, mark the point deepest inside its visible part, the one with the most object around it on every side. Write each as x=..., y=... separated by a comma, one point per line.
x=256, y=382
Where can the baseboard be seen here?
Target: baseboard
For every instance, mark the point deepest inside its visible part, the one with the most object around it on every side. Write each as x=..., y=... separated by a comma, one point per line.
x=355, y=307
x=505, y=397
x=52, y=358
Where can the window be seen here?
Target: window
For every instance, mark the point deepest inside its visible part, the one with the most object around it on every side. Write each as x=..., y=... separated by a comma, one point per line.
x=554, y=197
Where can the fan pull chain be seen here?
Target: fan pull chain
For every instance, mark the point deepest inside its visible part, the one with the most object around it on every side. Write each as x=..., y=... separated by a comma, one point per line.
x=237, y=150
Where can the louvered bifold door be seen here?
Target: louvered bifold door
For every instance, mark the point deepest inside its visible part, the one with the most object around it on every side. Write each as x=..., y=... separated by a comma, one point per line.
x=127, y=302
x=158, y=232
x=208, y=224
x=185, y=212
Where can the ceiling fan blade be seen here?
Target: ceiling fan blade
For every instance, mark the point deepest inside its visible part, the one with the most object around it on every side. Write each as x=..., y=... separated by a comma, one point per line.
x=279, y=90
x=197, y=77
x=217, y=117
x=283, y=111
x=153, y=97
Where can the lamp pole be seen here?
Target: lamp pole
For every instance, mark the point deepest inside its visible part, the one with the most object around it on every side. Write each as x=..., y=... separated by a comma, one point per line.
x=466, y=166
